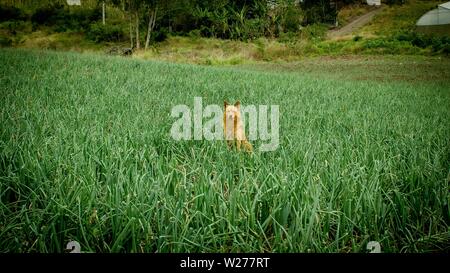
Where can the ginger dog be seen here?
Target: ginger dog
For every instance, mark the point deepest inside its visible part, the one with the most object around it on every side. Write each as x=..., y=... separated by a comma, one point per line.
x=234, y=128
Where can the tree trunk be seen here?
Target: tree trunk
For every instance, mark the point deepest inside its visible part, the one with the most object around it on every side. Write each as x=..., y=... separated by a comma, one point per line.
x=131, y=30
x=103, y=12
x=151, y=25
x=138, y=45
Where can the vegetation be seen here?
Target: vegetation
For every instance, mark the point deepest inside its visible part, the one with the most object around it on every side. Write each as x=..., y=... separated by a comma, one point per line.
x=398, y=18
x=85, y=155
x=281, y=31
x=348, y=13
x=367, y=68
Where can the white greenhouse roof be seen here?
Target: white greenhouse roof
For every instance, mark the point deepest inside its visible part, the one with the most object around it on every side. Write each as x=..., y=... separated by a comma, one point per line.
x=445, y=6
x=435, y=17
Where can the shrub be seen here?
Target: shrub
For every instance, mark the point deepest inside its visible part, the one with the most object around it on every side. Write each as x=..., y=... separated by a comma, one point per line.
x=46, y=15
x=161, y=34
x=331, y=47
x=318, y=12
x=105, y=33
x=439, y=43
x=195, y=33
x=445, y=50
x=13, y=27
x=288, y=37
x=63, y=19
x=357, y=38
x=395, y=2
x=292, y=18
x=8, y=13
x=249, y=29
x=315, y=32
x=389, y=46
x=254, y=28
x=436, y=43
x=5, y=42
x=375, y=43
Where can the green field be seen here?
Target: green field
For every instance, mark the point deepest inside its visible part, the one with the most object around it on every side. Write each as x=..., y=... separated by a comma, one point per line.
x=86, y=155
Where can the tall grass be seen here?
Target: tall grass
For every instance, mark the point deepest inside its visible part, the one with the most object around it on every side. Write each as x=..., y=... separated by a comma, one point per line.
x=85, y=154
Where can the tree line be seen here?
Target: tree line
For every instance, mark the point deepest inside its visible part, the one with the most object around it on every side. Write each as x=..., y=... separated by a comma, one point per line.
x=144, y=21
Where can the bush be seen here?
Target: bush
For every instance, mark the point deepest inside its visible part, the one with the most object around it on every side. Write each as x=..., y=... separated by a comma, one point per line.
x=318, y=12
x=315, y=32
x=46, y=15
x=288, y=37
x=195, y=33
x=63, y=19
x=8, y=13
x=105, y=33
x=445, y=50
x=375, y=43
x=410, y=43
x=254, y=28
x=395, y=2
x=357, y=38
x=292, y=18
x=440, y=43
x=14, y=27
x=390, y=46
x=436, y=43
x=160, y=35
x=81, y=19
x=5, y=42
x=248, y=30
x=331, y=47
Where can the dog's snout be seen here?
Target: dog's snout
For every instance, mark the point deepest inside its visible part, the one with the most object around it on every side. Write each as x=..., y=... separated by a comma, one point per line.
x=230, y=116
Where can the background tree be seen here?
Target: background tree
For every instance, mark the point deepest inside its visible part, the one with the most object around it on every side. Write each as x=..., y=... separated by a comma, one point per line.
x=151, y=8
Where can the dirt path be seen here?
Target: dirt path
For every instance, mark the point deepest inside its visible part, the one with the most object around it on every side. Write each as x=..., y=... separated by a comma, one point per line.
x=354, y=25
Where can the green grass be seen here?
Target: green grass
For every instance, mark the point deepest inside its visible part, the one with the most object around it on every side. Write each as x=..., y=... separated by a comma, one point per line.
x=371, y=68
x=398, y=18
x=85, y=155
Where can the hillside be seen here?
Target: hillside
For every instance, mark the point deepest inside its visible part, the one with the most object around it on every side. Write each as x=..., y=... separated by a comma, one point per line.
x=391, y=31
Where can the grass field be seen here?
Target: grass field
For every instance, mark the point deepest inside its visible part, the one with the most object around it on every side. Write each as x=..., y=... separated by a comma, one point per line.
x=370, y=68
x=86, y=155
x=398, y=18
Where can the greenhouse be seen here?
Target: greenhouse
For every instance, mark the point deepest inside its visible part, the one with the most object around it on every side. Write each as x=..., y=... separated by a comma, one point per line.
x=436, y=21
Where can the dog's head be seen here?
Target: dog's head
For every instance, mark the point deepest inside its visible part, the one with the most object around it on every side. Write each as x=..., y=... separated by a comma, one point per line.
x=232, y=111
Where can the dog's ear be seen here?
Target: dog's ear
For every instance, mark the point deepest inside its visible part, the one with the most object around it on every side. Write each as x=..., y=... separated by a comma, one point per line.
x=225, y=104
x=237, y=104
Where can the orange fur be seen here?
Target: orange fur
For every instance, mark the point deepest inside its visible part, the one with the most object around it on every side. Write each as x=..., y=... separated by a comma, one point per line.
x=235, y=134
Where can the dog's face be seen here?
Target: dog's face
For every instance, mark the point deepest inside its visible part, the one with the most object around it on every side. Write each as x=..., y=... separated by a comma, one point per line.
x=232, y=111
